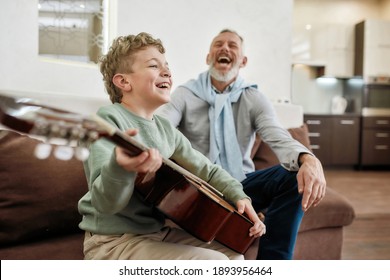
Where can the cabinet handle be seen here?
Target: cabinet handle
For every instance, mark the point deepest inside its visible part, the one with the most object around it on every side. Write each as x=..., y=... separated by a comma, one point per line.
x=314, y=134
x=348, y=122
x=315, y=122
x=382, y=135
x=315, y=147
x=382, y=122
x=381, y=147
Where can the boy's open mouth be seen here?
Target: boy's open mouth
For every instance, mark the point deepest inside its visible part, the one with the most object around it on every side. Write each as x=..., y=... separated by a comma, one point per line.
x=163, y=85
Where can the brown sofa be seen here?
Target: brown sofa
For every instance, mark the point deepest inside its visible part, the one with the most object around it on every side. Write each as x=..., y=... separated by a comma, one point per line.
x=39, y=218
x=321, y=232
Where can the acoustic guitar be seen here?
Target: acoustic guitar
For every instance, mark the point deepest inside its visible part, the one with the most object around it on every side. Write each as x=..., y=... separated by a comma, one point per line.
x=186, y=199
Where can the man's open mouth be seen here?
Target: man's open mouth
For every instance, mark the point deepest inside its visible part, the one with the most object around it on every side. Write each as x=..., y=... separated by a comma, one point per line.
x=224, y=60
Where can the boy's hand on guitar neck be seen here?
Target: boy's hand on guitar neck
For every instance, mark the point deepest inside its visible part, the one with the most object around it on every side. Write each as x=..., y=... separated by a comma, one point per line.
x=245, y=206
x=146, y=162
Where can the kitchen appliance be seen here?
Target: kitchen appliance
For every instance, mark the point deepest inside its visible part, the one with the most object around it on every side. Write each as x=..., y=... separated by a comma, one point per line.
x=376, y=97
x=339, y=104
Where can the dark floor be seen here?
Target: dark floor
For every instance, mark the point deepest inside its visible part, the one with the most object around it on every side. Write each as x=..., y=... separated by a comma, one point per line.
x=368, y=237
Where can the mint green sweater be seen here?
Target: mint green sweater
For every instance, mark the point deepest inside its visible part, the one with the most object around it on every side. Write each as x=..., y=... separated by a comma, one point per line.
x=111, y=205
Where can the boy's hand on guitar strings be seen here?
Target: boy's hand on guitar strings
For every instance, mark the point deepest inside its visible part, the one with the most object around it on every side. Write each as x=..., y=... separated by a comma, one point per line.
x=258, y=229
x=146, y=162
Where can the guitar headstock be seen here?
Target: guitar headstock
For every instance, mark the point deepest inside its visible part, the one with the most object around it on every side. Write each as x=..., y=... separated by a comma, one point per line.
x=70, y=131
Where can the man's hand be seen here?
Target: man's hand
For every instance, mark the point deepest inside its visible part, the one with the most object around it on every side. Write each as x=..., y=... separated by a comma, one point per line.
x=311, y=181
x=147, y=162
x=258, y=229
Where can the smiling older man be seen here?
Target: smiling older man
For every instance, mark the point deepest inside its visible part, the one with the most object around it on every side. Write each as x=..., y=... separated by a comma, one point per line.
x=220, y=114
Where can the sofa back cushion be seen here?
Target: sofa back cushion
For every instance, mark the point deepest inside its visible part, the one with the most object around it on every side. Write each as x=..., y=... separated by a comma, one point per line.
x=38, y=198
x=264, y=157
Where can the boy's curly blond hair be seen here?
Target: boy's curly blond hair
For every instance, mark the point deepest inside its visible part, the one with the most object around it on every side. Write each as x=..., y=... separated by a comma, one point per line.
x=119, y=59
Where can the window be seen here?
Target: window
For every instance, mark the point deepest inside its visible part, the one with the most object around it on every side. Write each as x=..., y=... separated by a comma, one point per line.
x=71, y=29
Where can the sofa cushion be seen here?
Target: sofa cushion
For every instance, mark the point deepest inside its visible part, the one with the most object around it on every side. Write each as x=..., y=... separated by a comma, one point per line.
x=65, y=247
x=264, y=157
x=38, y=198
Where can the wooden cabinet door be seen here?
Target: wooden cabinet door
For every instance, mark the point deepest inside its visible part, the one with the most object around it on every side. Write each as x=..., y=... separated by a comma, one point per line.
x=375, y=147
x=377, y=48
x=345, y=138
x=320, y=137
x=334, y=139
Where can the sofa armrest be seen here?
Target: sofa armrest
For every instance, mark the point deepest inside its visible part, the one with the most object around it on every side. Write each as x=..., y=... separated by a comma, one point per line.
x=264, y=157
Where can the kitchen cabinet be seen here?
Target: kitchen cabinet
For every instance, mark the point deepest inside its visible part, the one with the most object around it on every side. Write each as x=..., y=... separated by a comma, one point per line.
x=334, y=139
x=334, y=44
x=375, y=148
x=372, y=48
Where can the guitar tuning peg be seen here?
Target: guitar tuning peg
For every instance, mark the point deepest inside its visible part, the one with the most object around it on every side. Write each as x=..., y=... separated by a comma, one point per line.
x=81, y=153
x=42, y=150
x=63, y=152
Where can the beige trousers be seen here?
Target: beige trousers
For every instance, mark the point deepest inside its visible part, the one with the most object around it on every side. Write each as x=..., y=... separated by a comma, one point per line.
x=168, y=244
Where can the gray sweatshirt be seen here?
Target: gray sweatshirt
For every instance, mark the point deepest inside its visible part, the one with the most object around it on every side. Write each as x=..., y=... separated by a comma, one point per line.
x=112, y=206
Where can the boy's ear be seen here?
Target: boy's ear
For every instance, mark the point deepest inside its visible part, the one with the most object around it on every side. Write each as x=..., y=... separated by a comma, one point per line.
x=121, y=82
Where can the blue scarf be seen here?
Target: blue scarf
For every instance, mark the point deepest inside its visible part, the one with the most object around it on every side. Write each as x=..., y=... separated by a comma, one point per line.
x=224, y=147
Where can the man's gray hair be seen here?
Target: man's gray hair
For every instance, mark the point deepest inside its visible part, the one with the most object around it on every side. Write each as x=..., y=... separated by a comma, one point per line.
x=232, y=31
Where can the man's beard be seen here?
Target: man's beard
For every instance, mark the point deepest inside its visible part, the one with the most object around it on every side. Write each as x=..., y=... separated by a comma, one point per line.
x=224, y=77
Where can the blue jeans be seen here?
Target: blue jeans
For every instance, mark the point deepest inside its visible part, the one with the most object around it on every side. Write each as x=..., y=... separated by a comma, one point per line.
x=276, y=190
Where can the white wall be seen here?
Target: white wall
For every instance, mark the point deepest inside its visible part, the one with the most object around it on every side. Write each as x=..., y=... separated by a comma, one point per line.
x=22, y=69
x=186, y=28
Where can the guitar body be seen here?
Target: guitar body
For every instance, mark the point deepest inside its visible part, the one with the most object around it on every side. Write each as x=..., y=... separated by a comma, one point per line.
x=184, y=198
x=235, y=233
x=196, y=209
x=193, y=210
